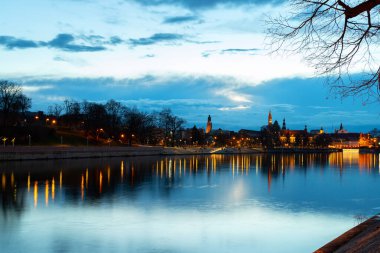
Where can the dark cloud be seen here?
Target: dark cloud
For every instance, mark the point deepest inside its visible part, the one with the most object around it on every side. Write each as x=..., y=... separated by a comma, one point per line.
x=239, y=50
x=180, y=19
x=10, y=42
x=156, y=38
x=115, y=40
x=64, y=42
x=205, y=4
x=249, y=51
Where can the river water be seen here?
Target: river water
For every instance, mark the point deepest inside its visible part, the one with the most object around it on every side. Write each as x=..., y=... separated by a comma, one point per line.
x=217, y=203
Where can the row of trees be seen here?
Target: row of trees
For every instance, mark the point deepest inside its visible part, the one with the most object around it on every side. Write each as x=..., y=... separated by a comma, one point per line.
x=117, y=121
x=111, y=120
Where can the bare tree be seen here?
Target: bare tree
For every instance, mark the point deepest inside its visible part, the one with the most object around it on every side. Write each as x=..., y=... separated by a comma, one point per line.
x=115, y=111
x=337, y=38
x=23, y=103
x=170, y=124
x=12, y=101
x=55, y=110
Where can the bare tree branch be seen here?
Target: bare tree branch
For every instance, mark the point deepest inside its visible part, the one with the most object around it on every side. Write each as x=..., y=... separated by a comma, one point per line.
x=338, y=38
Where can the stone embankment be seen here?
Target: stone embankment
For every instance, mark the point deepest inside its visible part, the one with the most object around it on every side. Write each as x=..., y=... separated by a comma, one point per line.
x=9, y=153
x=66, y=152
x=365, y=237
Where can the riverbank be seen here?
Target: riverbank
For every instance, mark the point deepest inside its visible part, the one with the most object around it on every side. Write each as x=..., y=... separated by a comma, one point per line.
x=68, y=152
x=365, y=237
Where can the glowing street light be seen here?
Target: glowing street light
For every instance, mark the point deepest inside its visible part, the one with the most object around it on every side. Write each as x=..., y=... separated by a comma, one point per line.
x=4, y=140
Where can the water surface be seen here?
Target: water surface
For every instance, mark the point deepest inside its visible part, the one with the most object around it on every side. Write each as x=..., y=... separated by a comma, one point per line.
x=217, y=203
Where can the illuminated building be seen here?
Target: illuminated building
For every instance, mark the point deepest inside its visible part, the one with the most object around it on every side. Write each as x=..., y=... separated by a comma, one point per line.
x=341, y=130
x=209, y=125
x=270, y=118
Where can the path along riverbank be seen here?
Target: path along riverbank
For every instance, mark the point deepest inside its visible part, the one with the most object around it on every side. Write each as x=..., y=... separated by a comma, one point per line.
x=10, y=153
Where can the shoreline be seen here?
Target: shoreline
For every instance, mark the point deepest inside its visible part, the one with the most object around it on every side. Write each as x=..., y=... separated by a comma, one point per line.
x=361, y=238
x=24, y=153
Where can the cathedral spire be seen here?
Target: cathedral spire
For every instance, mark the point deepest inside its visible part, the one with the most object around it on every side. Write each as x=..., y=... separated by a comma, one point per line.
x=270, y=118
x=283, y=124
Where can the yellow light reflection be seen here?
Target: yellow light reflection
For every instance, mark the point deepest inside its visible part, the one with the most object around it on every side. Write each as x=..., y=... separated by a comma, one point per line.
x=53, y=189
x=3, y=181
x=100, y=181
x=108, y=175
x=35, y=193
x=87, y=178
x=82, y=187
x=162, y=169
x=122, y=171
x=47, y=192
x=28, y=183
x=60, y=179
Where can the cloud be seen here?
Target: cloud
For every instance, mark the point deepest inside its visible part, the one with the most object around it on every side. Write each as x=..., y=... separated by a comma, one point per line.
x=239, y=50
x=231, y=103
x=64, y=41
x=234, y=96
x=10, y=43
x=317, y=107
x=235, y=108
x=180, y=19
x=206, y=4
x=156, y=38
x=149, y=56
x=248, y=51
x=30, y=88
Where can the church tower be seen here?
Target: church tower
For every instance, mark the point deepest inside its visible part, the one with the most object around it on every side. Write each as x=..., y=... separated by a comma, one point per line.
x=283, y=124
x=270, y=118
x=209, y=125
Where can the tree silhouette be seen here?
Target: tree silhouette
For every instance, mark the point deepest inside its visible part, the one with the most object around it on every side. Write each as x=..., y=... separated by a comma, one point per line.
x=12, y=101
x=338, y=38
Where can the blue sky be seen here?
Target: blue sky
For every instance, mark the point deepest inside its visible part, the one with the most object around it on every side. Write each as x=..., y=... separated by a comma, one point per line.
x=196, y=57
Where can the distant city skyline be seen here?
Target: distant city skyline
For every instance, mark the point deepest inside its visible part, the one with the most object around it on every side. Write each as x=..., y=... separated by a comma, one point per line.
x=195, y=57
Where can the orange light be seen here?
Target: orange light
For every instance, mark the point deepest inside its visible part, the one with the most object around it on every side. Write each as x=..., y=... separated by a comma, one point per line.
x=36, y=117
x=54, y=121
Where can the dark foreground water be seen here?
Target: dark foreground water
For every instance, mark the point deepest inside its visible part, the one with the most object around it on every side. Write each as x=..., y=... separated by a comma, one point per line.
x=217, y=203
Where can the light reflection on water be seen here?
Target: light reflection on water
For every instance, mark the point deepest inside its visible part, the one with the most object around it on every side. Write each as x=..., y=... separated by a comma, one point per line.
x=217, y=203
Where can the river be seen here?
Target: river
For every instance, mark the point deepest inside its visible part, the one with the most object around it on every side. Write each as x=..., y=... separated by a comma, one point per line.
x=216, y=203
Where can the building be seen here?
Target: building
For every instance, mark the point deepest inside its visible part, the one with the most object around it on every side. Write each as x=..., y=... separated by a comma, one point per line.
x=316, y=132
x=283, y=124
x=341, y=130
x=209, y=125
x=270, y=118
